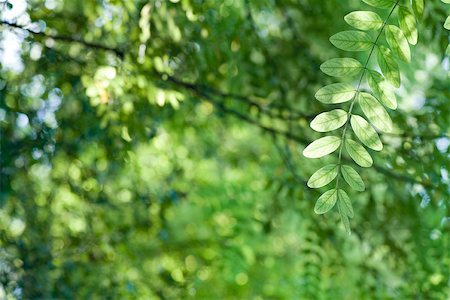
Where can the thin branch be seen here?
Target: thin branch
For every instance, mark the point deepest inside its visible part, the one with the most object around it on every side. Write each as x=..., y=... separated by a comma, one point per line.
x=73, y=39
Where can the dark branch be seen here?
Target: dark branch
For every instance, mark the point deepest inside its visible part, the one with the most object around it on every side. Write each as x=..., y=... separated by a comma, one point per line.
x=73, y=39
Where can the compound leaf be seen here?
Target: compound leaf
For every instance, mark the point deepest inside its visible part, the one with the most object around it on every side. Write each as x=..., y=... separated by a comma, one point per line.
x=326, y=202
x=375, y=112
x=329, y=120
x=364, y=20
x=336, y=93
x=398, y=43
x=358, y=153
x=352, y=40
x=323, y=176
x=322, y=147
x=341, y=67
x=352, y=178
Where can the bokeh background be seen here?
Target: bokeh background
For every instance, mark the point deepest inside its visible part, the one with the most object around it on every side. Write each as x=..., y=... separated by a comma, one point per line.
x=152, y=150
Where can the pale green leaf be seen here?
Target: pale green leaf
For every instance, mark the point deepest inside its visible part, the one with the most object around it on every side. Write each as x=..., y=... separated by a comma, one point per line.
x=398, y=43
x=329, y=120
x=365, y=133
x=336, y=93
x=364, y=20
x=388, y=65
x=358, y=153
x=341, y=67
x=352, y=178
x=326, y=202
x=446, y=1
x=381, y=3
x=447, y=23
x=382, y=90
x=345, y=221
x=408, y=24
x=345, y=203
x=375, y=112
x=352, y=40
x=418, y=7
x=322, y=147
x=323, y=176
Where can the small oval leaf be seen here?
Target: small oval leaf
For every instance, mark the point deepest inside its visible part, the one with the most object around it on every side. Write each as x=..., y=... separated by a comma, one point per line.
x=407, y=23
x=381, y=3
x=329, y=120
x=358, y=153
x=352, y=40
x=323, y=176
x=326, y=202
x=375, y=112
x=382, y=90
x=322, y=147
x=352, y=178
x=344, y=203
x=364, y=20
x=418, y=6
x=341, y=67
x=388, y=65
x=365, y=133
x=336, y=93
x=398, y=43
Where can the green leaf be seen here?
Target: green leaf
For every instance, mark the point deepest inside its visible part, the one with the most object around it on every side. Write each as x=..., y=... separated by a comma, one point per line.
x=381, y=3
x=418, y=7
x=447, y=23
x=364, y=20
x=345, y=203
x=329, y=120
x=352, y=40
x=322, y=147
x=336, y=93
x=365, y=133
x=375, y=112
x=341, y=67
x=352, y=178
x=345, y=221
x=326, y=202
x=388, y=65
x=382, y=89
x=407, y=23
x=358, y=153
x=323, y=176
x=398, y=43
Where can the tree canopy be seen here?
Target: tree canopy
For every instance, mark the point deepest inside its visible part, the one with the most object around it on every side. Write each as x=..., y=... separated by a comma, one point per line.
x=236, y=149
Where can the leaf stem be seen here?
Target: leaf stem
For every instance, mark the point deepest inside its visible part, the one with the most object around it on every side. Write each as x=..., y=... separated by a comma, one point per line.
x=355, y=97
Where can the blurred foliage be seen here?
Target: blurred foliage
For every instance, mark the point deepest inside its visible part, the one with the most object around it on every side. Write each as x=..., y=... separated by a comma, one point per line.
x=151, y=150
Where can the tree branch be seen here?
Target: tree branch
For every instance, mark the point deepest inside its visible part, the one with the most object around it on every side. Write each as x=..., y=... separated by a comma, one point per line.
x=73, y=39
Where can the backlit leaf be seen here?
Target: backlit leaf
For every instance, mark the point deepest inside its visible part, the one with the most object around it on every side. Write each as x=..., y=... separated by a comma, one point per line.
x=382, y=89
x=381, y=3
x=388, y=65
x=352, y=40
x=345, y=203
x=418, y=7
x=365, y=133
x=326, y=202
x=398, y=43
x=364, y=20
x=358, y=153
x=352, y=178
x=345, y=221
x=336, y=93
x=322, y=147
x=375, y=112
x=407, y=23
x=329, y=120
x=447, y=23
x=323, y=176
x=341, y=67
